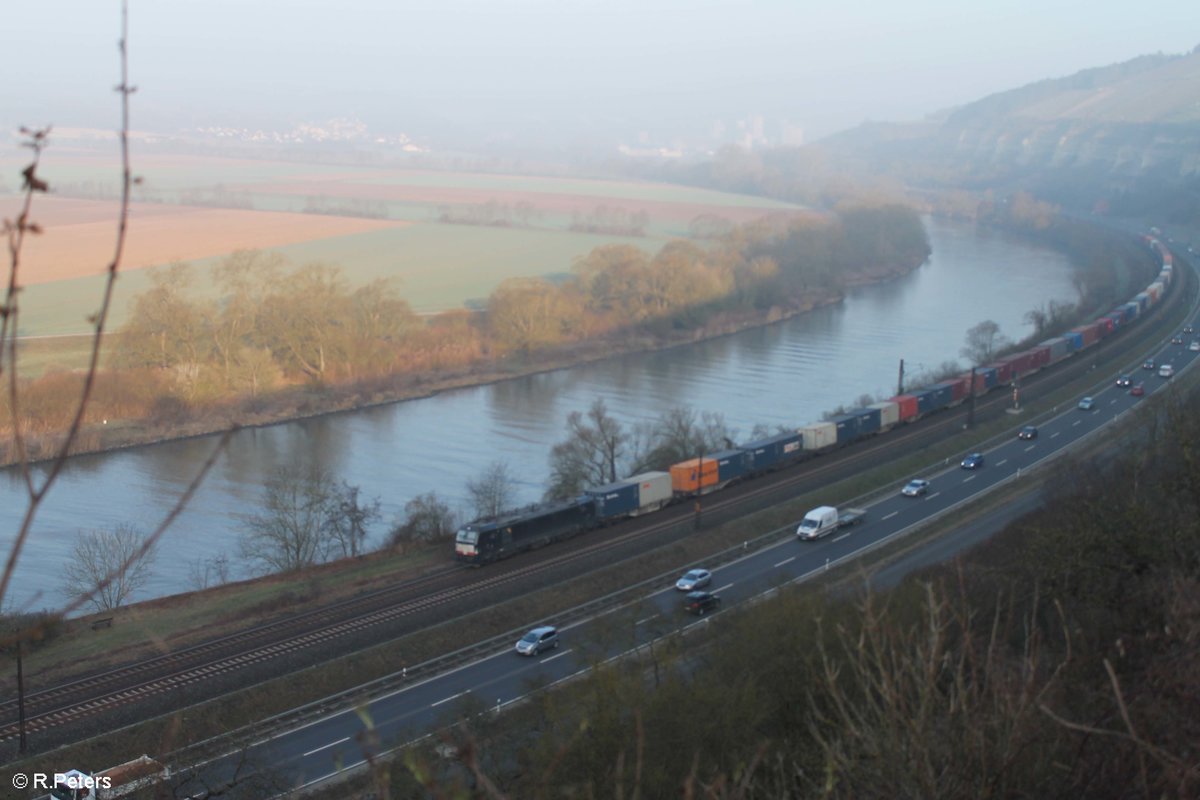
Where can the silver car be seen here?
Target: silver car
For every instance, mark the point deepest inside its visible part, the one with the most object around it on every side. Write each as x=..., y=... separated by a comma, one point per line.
x=915, y=488
x=537, y=640
x=693, y=579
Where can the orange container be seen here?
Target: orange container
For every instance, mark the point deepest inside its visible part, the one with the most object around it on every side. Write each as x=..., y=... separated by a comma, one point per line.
x=689, y=477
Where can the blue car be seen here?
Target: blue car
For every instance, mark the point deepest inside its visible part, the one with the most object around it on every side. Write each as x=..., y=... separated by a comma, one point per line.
x=973, y=461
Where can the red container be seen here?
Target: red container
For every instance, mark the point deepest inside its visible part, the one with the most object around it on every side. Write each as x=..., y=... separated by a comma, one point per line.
x=1003, y=372
x=958, y=387
x=1106, y=326
x=980, y=382
x=908, y=406
x=1041, y=357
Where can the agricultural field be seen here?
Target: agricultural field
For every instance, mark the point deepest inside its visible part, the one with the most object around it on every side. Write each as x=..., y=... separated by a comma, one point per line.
x=371, y=221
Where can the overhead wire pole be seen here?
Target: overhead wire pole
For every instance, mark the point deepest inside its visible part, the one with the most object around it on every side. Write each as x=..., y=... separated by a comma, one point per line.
x=971, y=404
x=900, y=381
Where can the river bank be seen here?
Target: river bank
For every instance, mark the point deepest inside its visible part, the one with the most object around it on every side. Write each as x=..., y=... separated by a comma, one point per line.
x=310, y=401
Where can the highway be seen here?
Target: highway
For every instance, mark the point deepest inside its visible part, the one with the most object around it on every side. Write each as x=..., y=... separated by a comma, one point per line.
x=322, y=748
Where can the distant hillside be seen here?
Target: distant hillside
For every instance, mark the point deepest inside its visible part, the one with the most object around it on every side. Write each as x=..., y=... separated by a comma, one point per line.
x=1123, y=138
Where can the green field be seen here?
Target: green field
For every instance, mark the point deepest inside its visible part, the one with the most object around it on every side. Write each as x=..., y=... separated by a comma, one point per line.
x=436, y=266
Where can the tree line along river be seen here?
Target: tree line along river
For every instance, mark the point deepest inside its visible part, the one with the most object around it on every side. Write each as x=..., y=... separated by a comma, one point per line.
x=788, y=373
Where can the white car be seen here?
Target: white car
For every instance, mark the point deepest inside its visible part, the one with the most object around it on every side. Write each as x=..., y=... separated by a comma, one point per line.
x=1195, y=346
x=693, y=579
x=1166, y=371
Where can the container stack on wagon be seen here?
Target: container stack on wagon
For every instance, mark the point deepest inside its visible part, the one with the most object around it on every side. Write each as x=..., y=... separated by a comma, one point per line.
x=483, y=541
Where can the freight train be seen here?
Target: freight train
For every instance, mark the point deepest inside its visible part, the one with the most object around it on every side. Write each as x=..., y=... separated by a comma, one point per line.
x=484, y=541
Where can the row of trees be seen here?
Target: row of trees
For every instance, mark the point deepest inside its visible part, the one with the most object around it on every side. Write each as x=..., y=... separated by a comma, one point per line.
x=268, y=324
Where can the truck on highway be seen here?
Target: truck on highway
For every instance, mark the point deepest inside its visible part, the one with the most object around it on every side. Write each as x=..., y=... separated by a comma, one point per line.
x=826, y=519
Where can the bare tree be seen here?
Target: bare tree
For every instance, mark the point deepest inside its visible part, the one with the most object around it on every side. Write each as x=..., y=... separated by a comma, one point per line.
x=983, y=341
x=492, y=492
x=349, y=518
x=207, y=572
x=292, y=531
x=591, y=453
x=679, y=434
x=427, y=518
x=122, y=552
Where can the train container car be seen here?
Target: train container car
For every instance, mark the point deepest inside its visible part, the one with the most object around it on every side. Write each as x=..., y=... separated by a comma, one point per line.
x=906, y=405
x=1004, y=372
x=870, y=421
x=889, y=413
x=1074, y=341
x=1041, y=356
x=1130, y=311
x=846, y=426
x=819, y=435
x=774, y=452
x=731, y=465
x=990, y=377
x=1088, y=335
x=959, y=387
x=1022, y=364
x=1105, y=325
x=637, y=494
x=1115, y=320
x=933, y=398
x=980, y=386
x=1155, y=290
x=1164, y=277
x=694, y=476
x=1060, y=348
x=482, y=542
x=1143, y=301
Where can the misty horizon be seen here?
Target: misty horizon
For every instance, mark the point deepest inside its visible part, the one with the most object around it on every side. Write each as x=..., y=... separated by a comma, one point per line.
x=536, y=74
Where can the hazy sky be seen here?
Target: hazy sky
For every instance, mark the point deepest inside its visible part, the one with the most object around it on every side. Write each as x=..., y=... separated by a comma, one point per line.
x=562, y=68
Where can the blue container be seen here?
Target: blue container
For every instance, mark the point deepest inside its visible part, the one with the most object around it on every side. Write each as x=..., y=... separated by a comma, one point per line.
x=990, y=377
x=615, y=499
x=1131, y=311
x=1074, y=340
x=847, y=428
x=773, y=452
x=869, y=420
x=1143, y=301
x=943, y=395
x=924, y=400
x=731, y=464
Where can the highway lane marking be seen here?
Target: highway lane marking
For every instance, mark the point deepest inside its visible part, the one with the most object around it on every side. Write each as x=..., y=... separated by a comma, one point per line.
x=935, y=494
x=843, y=536
x=786, y=561
x=1001, y=463
x=556, y=655
x=723, y=588
x=448, y=699
x=331, y=744
x=889, y=516
x=1076, y=422
x=1053, y=435
x=647, y=619
x=1027, y=449
x=970, y=478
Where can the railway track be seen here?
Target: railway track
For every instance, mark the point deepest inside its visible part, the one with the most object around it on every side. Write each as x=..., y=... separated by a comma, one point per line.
x=99, y=693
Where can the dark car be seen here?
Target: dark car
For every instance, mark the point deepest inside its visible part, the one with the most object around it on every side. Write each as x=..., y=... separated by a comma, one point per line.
x=1028, y=432
x=1176, y=340
x=1188, y=329
x=973, y=461
x=1138, y=390
x=1124, y=381
x=1148, y=363
x=700, y=603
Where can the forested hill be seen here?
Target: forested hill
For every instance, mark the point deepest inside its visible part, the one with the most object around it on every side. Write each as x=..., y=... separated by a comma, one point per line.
x=1122, y=139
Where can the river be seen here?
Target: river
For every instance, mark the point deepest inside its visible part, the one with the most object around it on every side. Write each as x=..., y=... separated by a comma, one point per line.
x=788, y=373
